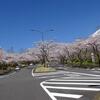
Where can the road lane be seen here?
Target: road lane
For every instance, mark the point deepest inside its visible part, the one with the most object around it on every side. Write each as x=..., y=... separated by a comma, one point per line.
x=21, y=86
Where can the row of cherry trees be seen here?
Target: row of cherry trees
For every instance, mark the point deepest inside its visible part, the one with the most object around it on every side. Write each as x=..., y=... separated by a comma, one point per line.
x=85, y=51
x=77, y=53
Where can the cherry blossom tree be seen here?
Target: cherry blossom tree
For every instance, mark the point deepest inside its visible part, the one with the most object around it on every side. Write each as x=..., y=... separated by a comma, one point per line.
x=95, y=47
x=44, y=51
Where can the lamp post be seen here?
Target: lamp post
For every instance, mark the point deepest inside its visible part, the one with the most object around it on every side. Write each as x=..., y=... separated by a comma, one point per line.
x=43, y=49
x=42, y=33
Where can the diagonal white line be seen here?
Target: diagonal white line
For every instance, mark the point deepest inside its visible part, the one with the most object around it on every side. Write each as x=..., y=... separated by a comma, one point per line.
x=69, y=83
x=75, y=96
x=46, y=90
x=54, y=95
x=73, y=88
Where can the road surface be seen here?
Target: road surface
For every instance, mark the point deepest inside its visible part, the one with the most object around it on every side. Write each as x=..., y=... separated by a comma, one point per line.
x=21, y=86
x=63, y=85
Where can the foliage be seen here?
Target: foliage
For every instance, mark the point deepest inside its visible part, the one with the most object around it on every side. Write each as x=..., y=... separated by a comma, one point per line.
x=84, y=54
x=44, y=48
x=41, y=69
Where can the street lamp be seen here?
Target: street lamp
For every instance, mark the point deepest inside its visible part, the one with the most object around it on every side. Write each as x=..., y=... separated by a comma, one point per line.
x=43, y=44
x=42, y=33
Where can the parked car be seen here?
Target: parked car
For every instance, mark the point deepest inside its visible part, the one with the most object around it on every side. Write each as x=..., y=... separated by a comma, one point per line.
x=17, y=68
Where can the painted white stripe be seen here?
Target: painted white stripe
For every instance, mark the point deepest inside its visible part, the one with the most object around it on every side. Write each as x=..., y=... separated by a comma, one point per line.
x=69, y=83
x=71, y=74
x=74, y=80
x=73, y=88
x=83, y=74
x=67, y=95
x=96, y=71
x=80, y=77
x=47, y=77
x=46, y=90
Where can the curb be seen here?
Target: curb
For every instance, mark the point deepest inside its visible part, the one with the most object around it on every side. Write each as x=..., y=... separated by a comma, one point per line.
x=32, y=72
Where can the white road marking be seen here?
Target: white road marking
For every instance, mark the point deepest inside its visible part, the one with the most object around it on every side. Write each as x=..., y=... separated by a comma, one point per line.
x=83, y=74
x=82, y=77
x=75, y=96
x=46, y=90
x=72, y=74
x=47, y=77
x=96, y=71
x=70, y=83
x=74, y=80
x=73, y=88
x=52, y=95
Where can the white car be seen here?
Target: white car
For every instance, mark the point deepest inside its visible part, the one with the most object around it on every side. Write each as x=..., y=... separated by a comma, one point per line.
x=17, y=68
x=31, y=64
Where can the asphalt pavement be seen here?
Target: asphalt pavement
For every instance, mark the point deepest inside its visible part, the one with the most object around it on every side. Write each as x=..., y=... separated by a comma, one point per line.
x=21, y=86
x=71, y=84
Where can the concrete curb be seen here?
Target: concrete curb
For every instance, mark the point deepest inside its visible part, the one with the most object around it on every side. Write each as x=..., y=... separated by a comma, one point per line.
x=32, y=72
